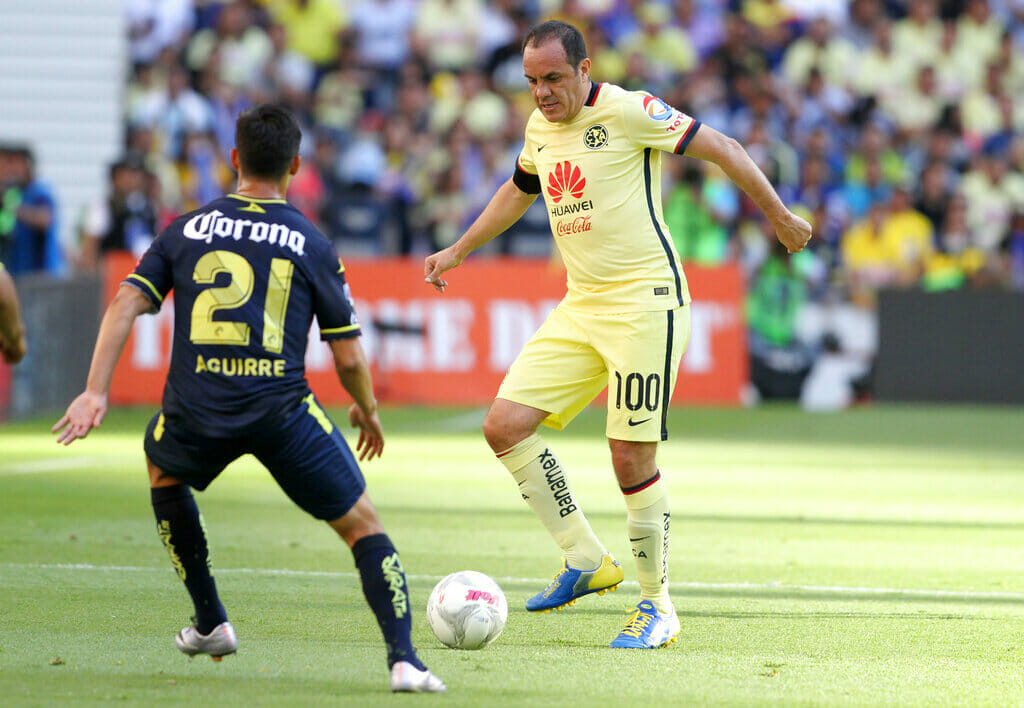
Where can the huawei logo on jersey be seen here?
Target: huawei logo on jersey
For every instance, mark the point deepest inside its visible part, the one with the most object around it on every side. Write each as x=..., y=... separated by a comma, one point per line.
x=565, y=179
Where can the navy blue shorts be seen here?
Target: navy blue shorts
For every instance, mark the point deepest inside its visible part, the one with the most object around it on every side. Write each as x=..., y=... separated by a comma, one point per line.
x=305, y=453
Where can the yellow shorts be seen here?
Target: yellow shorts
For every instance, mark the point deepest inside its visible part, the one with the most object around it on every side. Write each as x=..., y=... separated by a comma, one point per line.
x=575, y=355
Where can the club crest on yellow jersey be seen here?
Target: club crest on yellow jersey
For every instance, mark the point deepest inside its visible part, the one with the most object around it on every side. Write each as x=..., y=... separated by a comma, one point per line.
x=595, y=137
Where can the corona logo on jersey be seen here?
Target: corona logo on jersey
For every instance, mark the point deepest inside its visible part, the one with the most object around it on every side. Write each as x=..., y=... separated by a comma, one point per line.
x=203, y=227
x=657, y=109
x=565, y=178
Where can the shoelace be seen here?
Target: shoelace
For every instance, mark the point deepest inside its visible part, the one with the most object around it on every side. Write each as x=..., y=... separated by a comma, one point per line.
x=636, y=624
x=555, y=583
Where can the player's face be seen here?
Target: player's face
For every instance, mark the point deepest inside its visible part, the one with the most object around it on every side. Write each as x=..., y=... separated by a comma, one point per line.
x=558, y=88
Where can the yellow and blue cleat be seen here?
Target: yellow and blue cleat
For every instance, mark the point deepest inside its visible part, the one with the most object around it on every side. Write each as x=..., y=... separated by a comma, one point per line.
x=647, y=628
x=571, y=584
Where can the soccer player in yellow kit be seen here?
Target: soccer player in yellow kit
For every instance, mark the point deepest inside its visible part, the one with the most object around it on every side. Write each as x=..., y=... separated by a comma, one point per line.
x=594, y=151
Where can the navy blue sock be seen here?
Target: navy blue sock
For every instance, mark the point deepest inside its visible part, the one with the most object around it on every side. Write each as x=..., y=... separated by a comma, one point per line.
x=181, y=529
x=388, y=595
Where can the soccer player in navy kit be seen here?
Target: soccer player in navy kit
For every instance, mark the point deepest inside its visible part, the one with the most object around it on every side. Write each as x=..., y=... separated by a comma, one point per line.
x=249, y=273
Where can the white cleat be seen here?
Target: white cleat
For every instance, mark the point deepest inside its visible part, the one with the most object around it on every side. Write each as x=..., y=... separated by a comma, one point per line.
x=406, y=678
x=221, y=641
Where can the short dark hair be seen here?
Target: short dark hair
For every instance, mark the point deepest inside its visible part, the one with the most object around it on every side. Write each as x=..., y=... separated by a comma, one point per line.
x=18, y=150
x=267, y=138
x=570, y=37
x=131, y=160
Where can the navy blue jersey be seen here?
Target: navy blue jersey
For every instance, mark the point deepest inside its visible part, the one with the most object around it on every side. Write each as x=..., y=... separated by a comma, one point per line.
x=248, y=277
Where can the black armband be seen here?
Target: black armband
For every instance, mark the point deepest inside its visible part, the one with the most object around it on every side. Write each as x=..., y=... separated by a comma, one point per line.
x=530, y=184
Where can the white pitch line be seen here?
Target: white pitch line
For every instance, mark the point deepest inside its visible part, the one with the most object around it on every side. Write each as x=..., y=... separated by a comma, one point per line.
x=937, y=595
x=53, y=464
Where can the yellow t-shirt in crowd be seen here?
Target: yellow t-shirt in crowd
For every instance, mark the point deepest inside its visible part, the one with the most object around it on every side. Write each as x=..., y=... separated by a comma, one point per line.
x=902, y=243
x=311, y=30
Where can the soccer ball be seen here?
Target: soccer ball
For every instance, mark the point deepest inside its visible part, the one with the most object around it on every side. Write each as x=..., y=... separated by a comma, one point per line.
x=467, y=610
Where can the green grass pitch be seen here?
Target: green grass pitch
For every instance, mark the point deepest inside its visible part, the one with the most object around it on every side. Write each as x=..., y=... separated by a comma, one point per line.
x=874, y=557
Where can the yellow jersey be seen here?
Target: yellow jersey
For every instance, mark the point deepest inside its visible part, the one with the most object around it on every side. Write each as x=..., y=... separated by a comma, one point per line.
x=600, y=175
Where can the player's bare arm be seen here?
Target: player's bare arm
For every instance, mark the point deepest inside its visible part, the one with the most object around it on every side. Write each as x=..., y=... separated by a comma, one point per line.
x=709, y=144
x=88, y=409
x=354, y=374
x=507, y=205
x=12, y=330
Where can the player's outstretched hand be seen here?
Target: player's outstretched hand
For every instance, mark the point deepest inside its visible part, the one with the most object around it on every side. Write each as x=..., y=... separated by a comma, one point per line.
x=793, y=231
x=371, y=434
x=436, y=264
x=85, y=413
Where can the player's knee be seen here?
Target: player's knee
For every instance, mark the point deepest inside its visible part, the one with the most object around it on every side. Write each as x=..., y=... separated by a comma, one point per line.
x=358, y=522
x=507, y=424
x=633, y=462
x=622, y=459
x=352, y=534
x=356, y=529
x=502, y=432
x=494, y=431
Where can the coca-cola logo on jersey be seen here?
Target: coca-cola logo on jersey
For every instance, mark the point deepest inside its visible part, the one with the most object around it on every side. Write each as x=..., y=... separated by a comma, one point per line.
x=571, y=227
x=565, y=179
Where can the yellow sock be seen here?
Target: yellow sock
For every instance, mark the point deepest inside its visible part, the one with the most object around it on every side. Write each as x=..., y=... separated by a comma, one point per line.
x=545, y=488
x=648, y=527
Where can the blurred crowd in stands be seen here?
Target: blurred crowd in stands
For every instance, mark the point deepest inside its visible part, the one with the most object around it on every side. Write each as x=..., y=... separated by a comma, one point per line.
x=894, y=126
